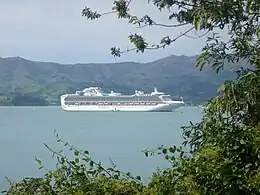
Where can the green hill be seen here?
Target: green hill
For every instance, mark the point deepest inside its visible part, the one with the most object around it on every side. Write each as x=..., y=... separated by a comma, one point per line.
x=176, y=75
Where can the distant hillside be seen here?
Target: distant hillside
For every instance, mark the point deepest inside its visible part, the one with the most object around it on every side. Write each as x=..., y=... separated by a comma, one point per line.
x=176, y=75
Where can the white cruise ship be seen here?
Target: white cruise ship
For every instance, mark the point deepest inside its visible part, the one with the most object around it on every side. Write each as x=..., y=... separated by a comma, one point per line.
x=94, y=99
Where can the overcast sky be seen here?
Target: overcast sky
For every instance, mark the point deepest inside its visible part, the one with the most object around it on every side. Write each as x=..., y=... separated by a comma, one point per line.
x=54, y=30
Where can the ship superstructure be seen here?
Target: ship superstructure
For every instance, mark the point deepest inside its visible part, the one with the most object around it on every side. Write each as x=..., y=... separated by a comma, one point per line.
x=94, y=99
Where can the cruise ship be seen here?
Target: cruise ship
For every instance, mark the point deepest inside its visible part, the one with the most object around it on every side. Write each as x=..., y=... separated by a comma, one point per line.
x=94, y=99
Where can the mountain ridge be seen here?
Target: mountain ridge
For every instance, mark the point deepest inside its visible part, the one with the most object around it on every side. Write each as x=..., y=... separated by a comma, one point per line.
x=176, y=75
x=24, y=58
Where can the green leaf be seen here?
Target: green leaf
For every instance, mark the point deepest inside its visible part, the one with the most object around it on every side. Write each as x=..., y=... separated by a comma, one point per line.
x=222, y=87
x=235, y=147
x=91, y=163
x=179, y=149
x=248, y=165
x=38, y=161
x=99, y=169
x=242, y=142
x=172, y=149
x=258, y=32
x=138, y=178
x=248, y=5
x=116, y=176
x=76, y=160
x=164, y=151
x=62, y=160
x=195, y=23
x=201, y=60
x=41, y=167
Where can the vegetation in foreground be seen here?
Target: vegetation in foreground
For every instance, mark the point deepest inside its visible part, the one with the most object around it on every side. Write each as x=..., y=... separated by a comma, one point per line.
x=224, y=155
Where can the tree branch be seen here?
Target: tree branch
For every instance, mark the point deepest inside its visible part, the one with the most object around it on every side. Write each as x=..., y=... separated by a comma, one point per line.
x=198, y=36
x=164, y=42
x=87, y=12
x=80, y=152
x=164, y=25
x=163, y=4
x=129, y=3
x=107, y=171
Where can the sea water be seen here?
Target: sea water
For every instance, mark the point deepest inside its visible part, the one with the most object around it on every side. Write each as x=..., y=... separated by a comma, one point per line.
x=120, y=136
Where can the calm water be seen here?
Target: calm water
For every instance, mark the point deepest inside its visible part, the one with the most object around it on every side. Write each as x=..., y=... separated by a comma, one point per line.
x=117, y=135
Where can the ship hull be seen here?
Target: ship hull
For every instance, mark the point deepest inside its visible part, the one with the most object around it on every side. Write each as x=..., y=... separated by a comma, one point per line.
x=157, y=108
x=129, y=103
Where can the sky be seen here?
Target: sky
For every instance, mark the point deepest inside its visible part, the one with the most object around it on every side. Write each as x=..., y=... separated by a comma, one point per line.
x=54, y=30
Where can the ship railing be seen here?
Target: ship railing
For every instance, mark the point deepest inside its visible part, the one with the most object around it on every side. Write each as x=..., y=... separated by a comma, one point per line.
x=117, y=101
x=114, y=103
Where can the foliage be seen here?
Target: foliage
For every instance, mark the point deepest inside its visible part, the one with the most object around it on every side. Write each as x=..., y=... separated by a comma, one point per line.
x=239, y=17
x=28, y=100
x=20, y=99
x=80, y=175
x=223, y=155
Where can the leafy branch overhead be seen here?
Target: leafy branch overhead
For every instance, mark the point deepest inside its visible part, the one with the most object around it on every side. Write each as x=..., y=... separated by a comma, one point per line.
x=205, y=16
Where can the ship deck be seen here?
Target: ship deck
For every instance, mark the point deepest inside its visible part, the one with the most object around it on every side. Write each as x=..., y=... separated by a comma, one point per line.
x=77, y=98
